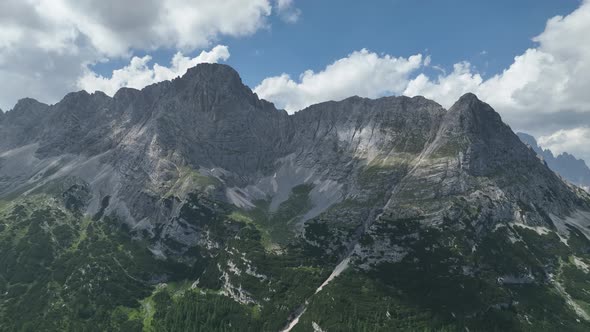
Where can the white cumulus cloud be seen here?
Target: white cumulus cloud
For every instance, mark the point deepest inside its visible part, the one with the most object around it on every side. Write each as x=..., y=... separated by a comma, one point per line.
x=46, y=45
x=549, y=79
x=139, y=74
x=575, y=141
x=448, y=87
x=114, y=27
x=361, y=73
x=287, y=11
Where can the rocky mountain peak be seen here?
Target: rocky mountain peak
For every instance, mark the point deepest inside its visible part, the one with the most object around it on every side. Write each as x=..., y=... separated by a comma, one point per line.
x=473, y=127
x=213, y=78
x=568, y=166
x=226, y=193
x=473, y=134
x=213, y=71
x=472, y=116
x=27, y=112
x=80, y=104
x=28, y=105
x=22, y=123
x=76, y=95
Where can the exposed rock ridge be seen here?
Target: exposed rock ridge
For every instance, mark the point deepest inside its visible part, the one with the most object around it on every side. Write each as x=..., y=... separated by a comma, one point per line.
x=568, y=166
x=209, y=121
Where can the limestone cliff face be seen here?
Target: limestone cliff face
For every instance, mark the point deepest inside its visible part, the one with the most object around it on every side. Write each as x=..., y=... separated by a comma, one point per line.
x=395, y=155
x=20, y=125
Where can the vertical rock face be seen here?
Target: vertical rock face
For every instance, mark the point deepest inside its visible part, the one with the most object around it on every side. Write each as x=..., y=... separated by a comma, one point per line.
x=495, y=152
x=396, y=191
x=213, y=120
x=474, y=128
x=361, y=130
x=209, y=121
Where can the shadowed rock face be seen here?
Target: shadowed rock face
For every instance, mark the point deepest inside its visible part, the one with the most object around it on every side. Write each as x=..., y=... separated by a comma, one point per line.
x=20, y=126
x=207, y=117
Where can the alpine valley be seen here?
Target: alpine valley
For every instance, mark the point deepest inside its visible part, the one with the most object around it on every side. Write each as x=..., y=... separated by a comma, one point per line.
x=193, y=205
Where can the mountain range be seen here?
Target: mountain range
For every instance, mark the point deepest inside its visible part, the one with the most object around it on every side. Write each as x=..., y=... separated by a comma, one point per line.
x=568, y=166
x=194, y=205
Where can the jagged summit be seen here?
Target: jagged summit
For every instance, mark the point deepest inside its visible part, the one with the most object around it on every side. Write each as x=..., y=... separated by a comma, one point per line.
x=568, y=166
x=205, y=81
x=208, y=119
x=469, y=97
x=473, y=111
x=26, y=104
x=213, y=71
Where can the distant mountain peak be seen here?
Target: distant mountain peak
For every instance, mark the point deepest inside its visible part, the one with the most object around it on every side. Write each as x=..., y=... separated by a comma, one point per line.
x=27, y=110
x=565, y=164
x=26, y=104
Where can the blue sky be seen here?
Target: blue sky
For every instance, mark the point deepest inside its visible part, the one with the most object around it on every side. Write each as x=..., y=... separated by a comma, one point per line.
x=529, y=59
x=450, y=31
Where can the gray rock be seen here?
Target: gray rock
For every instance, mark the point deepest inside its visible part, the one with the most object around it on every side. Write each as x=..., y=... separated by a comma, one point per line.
x=394, y=185
x=369, y=161
x=568, y=166
x=21, y=125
